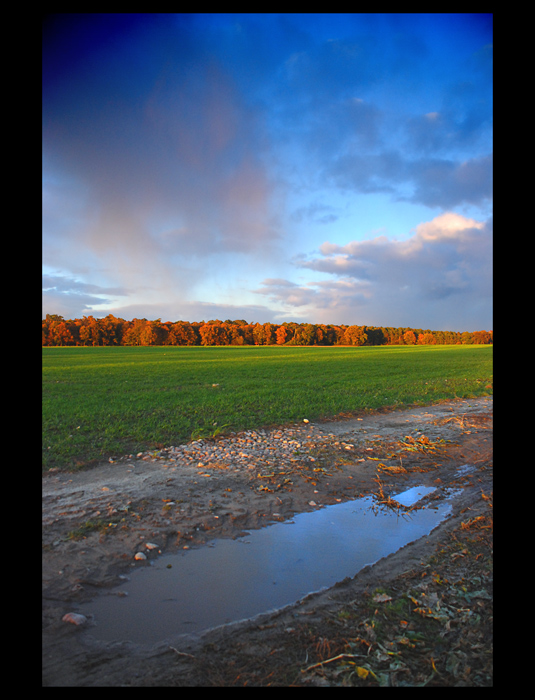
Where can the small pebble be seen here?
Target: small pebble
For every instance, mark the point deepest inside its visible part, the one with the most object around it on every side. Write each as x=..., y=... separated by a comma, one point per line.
x=74, y=618
x=238, y=451
x=140, y=555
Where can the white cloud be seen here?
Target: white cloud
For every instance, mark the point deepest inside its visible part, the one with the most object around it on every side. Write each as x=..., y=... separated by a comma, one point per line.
x=439, y=278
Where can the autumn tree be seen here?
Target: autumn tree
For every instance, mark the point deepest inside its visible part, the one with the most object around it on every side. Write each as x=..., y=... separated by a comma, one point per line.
x=44, y=333
x=355, y=335
x=116, y=331
x=111, y=330
x=326, y=335
x=451, y=338
x=247, y=331
x=181, y=333
x=376, y=336
x=396, y=336
x=59, y=334
x=208, y=334
x=270, y=337
x=481, y=338
x=235, y=333
x=140, y=332
x=90, y=331
x=214, y=333
x=304, y=334
x=258, y=334
x=466, y=338
x=427, y=339
x=281, y=334
x=159, y=332
x=289, y=329
x=48, y=328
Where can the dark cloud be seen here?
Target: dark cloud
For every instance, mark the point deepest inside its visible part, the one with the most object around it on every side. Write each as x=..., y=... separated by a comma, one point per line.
x=72, y=286
x=448, y=184
x=447, y=131
x=372, y=173
x=435, y=182
x=67, y=304
x=73, y=299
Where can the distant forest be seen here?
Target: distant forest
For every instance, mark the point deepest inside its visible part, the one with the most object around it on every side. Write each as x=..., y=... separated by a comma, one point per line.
x=111, y=331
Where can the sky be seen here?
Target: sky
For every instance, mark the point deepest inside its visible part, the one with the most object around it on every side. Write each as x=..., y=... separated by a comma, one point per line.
x=319, y=168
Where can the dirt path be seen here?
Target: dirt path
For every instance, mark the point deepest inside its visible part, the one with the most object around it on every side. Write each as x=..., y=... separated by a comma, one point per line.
x=94, y=523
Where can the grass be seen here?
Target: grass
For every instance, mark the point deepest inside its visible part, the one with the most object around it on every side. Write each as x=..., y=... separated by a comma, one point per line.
x=108, y=401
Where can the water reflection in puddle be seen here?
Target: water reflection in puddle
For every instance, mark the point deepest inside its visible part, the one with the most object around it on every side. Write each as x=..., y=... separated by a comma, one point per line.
x=230, y=580
x=412, y=496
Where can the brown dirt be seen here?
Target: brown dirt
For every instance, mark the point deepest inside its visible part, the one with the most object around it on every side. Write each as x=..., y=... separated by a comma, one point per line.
x=432, y=626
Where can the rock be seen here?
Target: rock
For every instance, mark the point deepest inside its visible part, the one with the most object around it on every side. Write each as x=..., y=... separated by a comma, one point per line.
x=151, y=545
x=74, y=618
x=140, y=555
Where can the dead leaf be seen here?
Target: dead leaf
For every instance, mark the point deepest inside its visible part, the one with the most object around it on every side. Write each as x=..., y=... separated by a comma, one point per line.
x=381, y=598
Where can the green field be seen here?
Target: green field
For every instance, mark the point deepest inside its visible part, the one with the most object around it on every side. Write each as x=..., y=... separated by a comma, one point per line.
x=110, y=401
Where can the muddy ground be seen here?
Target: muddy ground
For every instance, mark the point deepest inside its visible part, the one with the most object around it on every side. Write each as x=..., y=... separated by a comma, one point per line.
x=432, y=625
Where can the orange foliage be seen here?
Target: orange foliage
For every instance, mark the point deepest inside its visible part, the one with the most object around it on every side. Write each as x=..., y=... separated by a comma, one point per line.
x=116, y=331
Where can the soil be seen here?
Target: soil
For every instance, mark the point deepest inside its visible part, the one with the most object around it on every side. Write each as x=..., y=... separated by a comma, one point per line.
x=422, y=615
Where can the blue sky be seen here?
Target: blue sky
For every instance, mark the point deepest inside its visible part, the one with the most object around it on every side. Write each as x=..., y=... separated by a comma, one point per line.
x=323, y=168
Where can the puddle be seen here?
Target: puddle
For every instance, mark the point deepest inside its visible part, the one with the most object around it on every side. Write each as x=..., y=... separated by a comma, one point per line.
x=465, y=469
x=412, y=496
x=230, y=580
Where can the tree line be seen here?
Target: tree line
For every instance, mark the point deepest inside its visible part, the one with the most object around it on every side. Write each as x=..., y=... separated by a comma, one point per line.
x=110, y=331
